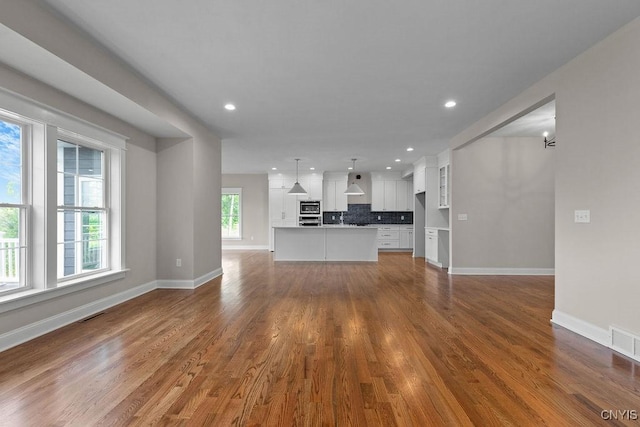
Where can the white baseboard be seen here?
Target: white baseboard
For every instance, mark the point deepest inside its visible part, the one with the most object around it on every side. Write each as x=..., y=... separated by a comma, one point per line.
x=580, y=327
x=36, y=329
x=502, y=271
x=175, y=284
x=432, y=262
x=189, y=284
x=246, y=248
x=207, y=277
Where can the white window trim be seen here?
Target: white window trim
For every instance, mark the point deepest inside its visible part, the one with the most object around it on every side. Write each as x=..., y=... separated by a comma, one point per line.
x=25, y=199
x=230, y=190
x=108, y=180
x=46, y=125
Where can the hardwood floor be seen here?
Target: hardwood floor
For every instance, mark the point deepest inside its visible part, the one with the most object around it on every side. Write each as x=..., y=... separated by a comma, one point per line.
x=282, y=344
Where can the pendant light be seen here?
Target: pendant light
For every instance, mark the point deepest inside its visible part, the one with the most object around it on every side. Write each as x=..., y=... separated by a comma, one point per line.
x=354, y=189
x=297, y=189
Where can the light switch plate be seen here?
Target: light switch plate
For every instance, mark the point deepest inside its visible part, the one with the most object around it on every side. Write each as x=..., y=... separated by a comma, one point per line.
x=582, y=216
x=462, y=217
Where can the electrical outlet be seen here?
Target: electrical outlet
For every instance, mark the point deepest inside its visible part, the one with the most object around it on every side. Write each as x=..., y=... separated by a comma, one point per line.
x=379, y=217
x=333, y=217
x=401, y=217
x=178, y=262
x=582, y=216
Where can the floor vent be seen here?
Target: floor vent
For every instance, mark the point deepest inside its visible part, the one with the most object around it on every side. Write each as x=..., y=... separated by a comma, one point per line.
x=86, y=319
x=625, y=343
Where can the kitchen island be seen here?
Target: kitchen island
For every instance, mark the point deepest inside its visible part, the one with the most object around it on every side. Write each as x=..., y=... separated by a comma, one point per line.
x=326, y=243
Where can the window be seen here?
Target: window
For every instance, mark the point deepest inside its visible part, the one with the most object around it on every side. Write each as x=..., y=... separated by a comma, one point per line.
x=231, y=213
x=61, y=203
x=82, y=211
x=13, y=207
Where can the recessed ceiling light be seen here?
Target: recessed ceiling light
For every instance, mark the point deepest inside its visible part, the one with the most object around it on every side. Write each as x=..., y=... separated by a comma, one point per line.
x=397, y=160
x=545, y=134
x=450, y=104
x=350, y=168
x=274, y=169
x=410, y=149
x=229, y=107
x=388, y=167
x=312, y=169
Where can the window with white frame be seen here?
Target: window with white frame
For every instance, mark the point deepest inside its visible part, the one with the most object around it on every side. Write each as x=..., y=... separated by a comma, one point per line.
x=82, y=209
x=231, y=213
x=61, y=202
x=13, y=204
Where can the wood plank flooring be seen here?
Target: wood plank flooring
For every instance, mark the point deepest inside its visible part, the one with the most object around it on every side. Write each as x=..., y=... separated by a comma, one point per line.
x=393, y=343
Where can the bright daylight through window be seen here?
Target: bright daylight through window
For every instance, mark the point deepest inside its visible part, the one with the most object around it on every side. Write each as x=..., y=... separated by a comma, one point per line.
x=12, y=207
x=61, y=203
x=82, y=214
x=231, y=209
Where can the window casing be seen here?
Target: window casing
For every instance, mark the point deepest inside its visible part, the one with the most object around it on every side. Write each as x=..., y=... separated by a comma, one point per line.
x=83, y=213
x=77, y=209
x=231, y=215
x=14, y=204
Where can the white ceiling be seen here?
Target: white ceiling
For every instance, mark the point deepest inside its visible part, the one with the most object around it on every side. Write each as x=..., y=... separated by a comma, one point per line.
x=24, y=55
x=535, y=123
x=326, y=81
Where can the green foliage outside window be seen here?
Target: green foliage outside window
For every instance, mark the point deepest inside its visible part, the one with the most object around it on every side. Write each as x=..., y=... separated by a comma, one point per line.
x=92, y=240
x=231, y=216
x=9, y=223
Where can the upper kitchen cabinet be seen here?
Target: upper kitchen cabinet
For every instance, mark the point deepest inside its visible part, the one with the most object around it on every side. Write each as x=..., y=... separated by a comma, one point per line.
x=334, y=199
x=419, y=179
x=312, y=185
x=444, y=178
x=404, y=195
x=389, y=192
x=281, y=181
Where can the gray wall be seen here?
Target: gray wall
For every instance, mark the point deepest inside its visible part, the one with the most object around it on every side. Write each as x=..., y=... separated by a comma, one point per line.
x=192, y=233
x=597, y=158
x=255, y=209
x=506, y=187
x=175, y=238
x=203, y=168
x=140, y=193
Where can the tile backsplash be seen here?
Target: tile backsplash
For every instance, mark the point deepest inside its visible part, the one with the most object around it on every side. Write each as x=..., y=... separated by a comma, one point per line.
x=361, y=214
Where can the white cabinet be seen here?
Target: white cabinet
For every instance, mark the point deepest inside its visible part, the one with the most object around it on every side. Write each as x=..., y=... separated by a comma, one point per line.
x=431, y=244
x=377, y=196
x=312, y=183
x=443, y=189
x=436, y=246
x=281, y=181
x=334, y=198
x=419, y=180
x=391, y=195
x=389, y=237
x=406, y=237
x=313, y=186
x=404, y=195
x=283, y=207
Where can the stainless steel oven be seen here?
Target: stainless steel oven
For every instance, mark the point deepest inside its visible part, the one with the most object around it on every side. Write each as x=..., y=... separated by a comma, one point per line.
x=310, y=207
x=310, y=221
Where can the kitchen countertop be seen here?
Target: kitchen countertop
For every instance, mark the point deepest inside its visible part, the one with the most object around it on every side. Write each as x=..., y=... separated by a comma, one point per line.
x=347, y=226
